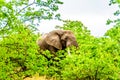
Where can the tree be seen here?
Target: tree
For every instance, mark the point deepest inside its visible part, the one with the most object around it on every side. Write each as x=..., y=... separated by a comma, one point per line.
x=26, y=11
x=96, y=58
x=116, y=13
x=18, y=50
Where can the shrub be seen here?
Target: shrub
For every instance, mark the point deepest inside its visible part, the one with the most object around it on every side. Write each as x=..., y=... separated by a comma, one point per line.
x=88, y=67
x=19, y=56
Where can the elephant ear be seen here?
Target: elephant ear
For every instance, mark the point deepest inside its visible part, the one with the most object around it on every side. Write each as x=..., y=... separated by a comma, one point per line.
x=54, y=40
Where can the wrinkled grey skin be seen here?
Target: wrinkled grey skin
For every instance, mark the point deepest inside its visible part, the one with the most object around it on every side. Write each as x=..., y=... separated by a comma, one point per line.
x=57, y=40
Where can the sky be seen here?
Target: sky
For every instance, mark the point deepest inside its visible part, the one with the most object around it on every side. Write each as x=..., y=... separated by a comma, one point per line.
x=92, y=13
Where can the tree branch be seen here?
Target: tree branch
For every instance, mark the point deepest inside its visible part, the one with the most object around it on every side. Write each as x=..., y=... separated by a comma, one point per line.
x=25, y=7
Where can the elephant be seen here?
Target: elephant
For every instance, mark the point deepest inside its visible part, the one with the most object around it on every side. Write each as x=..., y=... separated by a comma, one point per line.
x=57, y=40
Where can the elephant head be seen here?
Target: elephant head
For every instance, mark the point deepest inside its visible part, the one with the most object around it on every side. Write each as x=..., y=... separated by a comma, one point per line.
x=57, y=40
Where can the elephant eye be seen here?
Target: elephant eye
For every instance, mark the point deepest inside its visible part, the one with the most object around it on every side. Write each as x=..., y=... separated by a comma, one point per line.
x=66, y=38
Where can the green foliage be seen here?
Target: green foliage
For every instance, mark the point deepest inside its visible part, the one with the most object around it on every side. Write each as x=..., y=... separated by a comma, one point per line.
x=27, y=11
x=114, y=35
x=19, y=56
x=114, y=32
x=89, y=67
x=116, y=13
x=114, y=2
x=96, y=58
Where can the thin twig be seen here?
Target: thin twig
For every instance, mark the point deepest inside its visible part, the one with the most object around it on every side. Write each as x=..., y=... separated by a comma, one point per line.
x=25, y=7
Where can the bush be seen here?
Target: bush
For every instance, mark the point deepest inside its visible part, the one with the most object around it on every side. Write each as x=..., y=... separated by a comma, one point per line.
x=94, y=59
x=19, y=56
x=86, y=67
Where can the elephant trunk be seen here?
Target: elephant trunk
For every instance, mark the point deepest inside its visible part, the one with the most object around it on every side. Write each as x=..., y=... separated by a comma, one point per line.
x=72, y=43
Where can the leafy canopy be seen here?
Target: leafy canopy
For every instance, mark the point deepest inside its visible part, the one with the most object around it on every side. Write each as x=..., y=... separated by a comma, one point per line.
x=26, y=11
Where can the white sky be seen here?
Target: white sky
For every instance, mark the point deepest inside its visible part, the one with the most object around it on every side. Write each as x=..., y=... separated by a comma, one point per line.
x=92, y=13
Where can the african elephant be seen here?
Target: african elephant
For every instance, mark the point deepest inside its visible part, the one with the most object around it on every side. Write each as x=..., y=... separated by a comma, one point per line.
x=57, y=40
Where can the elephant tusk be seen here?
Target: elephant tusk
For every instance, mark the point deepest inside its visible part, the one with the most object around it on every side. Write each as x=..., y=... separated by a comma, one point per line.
x=68, y=50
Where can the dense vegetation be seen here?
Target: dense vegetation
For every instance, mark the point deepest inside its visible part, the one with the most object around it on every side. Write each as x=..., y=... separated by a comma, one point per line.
x=96, y=58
